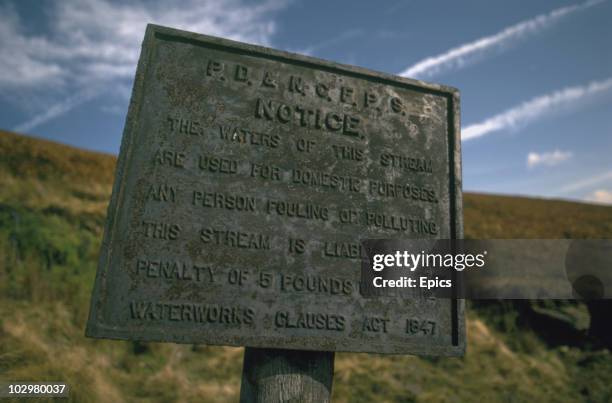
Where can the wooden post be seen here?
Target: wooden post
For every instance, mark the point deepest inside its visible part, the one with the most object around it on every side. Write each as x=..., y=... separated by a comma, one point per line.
x=271, y=376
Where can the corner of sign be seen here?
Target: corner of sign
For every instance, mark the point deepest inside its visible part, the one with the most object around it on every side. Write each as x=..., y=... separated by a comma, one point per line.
x=463, y=349
x=149, y=33
x=153, y=28
x=90, y=329
x=93, y=327
x=456, y=93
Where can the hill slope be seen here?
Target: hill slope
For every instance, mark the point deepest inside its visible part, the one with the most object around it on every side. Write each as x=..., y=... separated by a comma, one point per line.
x=52, y=205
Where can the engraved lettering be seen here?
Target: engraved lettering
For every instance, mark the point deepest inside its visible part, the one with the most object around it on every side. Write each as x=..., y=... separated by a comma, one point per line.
x=333, y=121
x=309, y=321
x=241, y=73
x=394, y=190
x=304, y=145
x=406, y=163
x=284, y=113
x=269, y=80
x=347, y=95
x=264, y=109
x=248, y=137
x=305, y=117
x=322, y=91
x=347, y=250
x=235, y=239
x=351, y=125
x=297, y=246
x=174, y=270
x=401, y=223
x=218, y=165
x=321, y=179
x=185, y=126
x=224, y=201
x=263, y=171
x=420, y=327
x=310, y=211
x=237, y=276
x=315, y=284
x=296, y=84
x=198, y=313
x=161, y=230
x=396, y=105
x=214, y=69
x=162, y=193
x=370, y=99
x=169, y=157
x=342, y=152
x=375, y=325
x=348, y=216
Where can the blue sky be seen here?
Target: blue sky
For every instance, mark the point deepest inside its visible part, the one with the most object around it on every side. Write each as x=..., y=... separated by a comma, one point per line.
x=535, y=77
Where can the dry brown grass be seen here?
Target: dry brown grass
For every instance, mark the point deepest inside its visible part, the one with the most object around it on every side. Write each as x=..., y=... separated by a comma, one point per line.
x=490, y=372
x=510, y=217
x=41, y=174
x=43, y=343
x=41, y=329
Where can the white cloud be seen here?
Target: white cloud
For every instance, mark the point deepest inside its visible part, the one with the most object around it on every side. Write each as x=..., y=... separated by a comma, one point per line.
x=535, y=108
x=58, y=109
x=20, y=64
x=93, y=42
x=551, y=158
x=587, y=182
x=334, y=41
x=601, y=196
x=462, y=55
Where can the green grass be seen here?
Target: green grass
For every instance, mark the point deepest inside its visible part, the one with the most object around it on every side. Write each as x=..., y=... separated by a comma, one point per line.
x=52, y=207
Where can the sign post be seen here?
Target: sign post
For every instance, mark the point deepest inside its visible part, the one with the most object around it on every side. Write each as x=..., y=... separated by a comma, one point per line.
x=271, y=375
x=246, y=180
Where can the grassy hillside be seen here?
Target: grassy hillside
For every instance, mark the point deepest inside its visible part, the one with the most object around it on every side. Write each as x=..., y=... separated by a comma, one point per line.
x=499, y=217
x=53, y=201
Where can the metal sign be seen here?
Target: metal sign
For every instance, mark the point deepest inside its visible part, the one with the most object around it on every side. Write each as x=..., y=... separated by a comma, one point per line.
x=247, y=178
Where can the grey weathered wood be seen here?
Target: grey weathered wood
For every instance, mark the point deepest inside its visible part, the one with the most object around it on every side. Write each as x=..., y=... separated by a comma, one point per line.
x=273, y=375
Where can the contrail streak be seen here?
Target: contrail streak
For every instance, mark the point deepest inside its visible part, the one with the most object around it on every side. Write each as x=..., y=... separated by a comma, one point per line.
x=459, y=56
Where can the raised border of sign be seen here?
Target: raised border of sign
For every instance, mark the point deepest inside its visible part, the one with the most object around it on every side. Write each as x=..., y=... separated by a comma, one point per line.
x=98, y=329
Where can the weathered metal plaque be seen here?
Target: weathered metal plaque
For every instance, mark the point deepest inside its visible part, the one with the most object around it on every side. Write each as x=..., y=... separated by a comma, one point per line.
x=247, y=178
